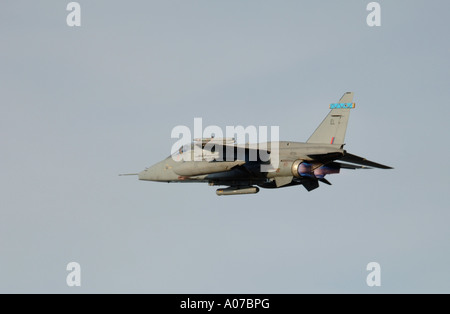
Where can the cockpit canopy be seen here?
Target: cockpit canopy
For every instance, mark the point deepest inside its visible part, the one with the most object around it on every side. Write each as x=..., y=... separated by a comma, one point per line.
x=184, y=149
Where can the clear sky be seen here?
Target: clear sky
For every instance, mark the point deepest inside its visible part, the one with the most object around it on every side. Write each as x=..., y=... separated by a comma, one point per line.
x=79, y=105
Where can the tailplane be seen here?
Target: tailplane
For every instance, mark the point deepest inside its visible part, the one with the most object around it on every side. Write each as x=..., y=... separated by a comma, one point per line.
x=333, y=127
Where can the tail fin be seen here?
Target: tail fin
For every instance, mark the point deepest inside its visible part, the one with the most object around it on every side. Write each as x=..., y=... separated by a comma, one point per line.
x=333, y=127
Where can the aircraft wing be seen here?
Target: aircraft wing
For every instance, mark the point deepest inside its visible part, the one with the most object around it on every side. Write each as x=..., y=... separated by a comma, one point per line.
x=223, y=149
x=244, y=146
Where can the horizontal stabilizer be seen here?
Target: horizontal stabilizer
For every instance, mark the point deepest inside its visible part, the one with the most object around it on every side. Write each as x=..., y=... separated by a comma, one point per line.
x=346, y=166
x=326, y=158
x=362, y=161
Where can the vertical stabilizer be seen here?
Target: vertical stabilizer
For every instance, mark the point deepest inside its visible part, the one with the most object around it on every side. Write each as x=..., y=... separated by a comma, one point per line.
x=333, y=127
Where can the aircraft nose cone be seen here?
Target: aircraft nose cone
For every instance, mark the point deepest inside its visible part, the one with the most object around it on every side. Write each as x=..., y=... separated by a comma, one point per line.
x=159, y=172
x=147, y=174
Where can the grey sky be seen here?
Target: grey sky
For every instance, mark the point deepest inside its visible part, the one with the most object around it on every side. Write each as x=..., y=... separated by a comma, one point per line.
x=80, y=105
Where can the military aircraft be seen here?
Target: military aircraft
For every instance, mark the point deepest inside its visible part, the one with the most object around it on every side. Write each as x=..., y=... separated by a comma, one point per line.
x=298, y=163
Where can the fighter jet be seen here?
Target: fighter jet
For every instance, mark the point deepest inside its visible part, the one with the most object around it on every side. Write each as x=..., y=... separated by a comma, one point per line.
x=222, y=162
